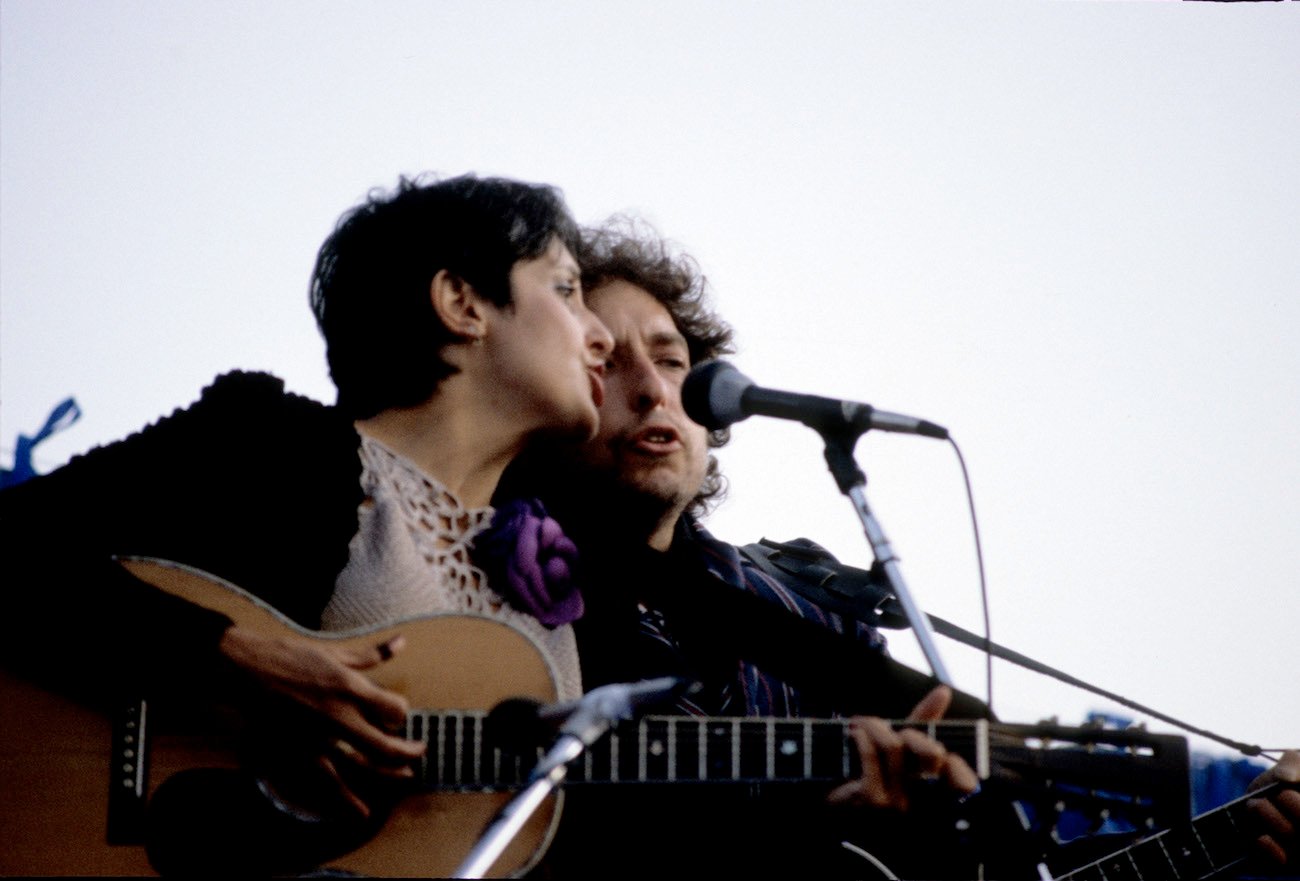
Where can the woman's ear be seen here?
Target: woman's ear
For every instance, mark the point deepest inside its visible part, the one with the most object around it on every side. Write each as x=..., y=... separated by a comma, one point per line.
x=458, y=306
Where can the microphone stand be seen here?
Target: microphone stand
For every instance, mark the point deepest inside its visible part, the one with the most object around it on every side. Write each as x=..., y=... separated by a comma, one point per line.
x=840, y=440
x=546, y=777
x=590, y=719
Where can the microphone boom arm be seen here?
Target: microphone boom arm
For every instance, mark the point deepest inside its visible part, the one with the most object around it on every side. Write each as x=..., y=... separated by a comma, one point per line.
x=852, y=482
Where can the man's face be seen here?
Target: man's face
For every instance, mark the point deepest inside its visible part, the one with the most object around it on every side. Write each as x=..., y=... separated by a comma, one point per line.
x=646, y=443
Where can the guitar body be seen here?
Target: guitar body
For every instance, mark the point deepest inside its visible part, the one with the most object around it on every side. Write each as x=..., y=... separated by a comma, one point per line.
x=59, y=760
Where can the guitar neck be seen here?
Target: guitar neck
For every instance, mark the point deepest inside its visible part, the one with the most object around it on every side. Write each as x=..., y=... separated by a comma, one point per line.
x=671, y=749
x=1200, y=849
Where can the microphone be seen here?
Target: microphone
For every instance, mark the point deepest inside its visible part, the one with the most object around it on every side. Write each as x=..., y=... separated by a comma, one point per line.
x=521, y=724
x=716, y=394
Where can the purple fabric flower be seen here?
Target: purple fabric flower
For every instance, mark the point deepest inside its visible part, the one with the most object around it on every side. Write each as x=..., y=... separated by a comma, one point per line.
x=529, y=561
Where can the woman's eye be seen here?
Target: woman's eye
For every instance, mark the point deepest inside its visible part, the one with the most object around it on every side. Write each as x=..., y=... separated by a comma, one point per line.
x=566, y=289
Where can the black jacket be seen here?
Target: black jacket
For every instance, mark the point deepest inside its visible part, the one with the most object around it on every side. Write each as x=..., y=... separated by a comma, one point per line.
x=250, y=483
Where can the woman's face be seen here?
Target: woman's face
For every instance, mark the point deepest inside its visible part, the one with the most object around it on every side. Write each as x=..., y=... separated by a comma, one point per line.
x=548, y=349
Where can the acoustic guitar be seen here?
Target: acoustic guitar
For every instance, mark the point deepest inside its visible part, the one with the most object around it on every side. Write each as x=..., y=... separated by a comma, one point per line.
x=78, y=785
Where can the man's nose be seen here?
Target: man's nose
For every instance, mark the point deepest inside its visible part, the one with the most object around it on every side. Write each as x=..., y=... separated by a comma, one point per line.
x=649, y=387
x=599, y=339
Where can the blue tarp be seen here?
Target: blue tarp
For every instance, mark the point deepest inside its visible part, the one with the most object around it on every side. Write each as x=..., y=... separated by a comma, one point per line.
x=62, y=416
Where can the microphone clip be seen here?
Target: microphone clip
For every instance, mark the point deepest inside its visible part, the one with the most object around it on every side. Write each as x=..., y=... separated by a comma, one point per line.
x=594, y=713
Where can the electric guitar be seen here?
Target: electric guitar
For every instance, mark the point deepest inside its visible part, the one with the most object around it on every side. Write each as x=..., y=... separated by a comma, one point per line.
x=77, y=785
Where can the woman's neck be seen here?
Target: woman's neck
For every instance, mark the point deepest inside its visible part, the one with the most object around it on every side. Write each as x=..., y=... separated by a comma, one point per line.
x=462, y=449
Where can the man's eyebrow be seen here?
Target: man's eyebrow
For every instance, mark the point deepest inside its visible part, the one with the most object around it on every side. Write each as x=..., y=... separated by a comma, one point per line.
x=670, y=338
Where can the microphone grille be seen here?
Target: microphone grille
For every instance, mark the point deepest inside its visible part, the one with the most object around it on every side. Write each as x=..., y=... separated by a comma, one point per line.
x=712, y=392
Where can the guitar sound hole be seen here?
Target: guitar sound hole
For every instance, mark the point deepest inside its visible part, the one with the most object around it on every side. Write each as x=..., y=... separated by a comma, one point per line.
x=219, y=822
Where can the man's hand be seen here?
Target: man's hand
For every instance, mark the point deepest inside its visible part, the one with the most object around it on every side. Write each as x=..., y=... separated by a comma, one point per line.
x=1278, y=815
x=898, y=765
x=342, y=716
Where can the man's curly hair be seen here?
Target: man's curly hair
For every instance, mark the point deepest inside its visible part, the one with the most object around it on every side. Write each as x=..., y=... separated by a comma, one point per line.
x=628, y=249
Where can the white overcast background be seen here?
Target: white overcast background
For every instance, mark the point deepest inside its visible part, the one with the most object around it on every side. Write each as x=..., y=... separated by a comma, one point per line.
x=1068, y=231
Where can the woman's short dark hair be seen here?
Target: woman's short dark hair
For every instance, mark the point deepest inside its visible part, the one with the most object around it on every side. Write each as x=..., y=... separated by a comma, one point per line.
x=628, y=249
x=370, y=287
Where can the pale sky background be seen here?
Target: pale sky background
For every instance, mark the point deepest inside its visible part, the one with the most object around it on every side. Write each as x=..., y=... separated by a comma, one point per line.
x=1068, y=231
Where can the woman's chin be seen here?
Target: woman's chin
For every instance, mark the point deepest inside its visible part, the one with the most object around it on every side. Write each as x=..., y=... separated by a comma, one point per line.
x=580, y=428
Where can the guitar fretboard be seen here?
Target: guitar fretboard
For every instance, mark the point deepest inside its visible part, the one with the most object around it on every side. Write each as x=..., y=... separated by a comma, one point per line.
x=1203, y=848
x=665, y=749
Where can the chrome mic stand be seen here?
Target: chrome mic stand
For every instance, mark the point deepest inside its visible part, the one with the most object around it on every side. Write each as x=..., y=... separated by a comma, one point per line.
x=588, y=719
x=840, y=440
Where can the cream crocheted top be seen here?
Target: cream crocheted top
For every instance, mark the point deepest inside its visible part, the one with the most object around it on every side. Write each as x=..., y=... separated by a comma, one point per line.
x=410, y=557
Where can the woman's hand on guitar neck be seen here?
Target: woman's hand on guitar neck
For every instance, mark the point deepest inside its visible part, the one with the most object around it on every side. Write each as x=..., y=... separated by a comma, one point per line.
x=342, y=714
x=897, y=766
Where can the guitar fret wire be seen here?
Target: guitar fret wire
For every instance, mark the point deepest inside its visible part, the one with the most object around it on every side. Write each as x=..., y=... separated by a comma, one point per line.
x=1128, y=855
x=771, y=747
x=672, y=749
x=807, y=747
x=424, y=758
x=1238, y=832
x=642, y=730
x=442, y=761
x=704, y=749
x=479, y=750
x=1201, y=844
x=464, y=751
x=735, y=749
x=497, y=776
x=467, y=724
x=845, y=767
x=460, y=748
x=1164, y=851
